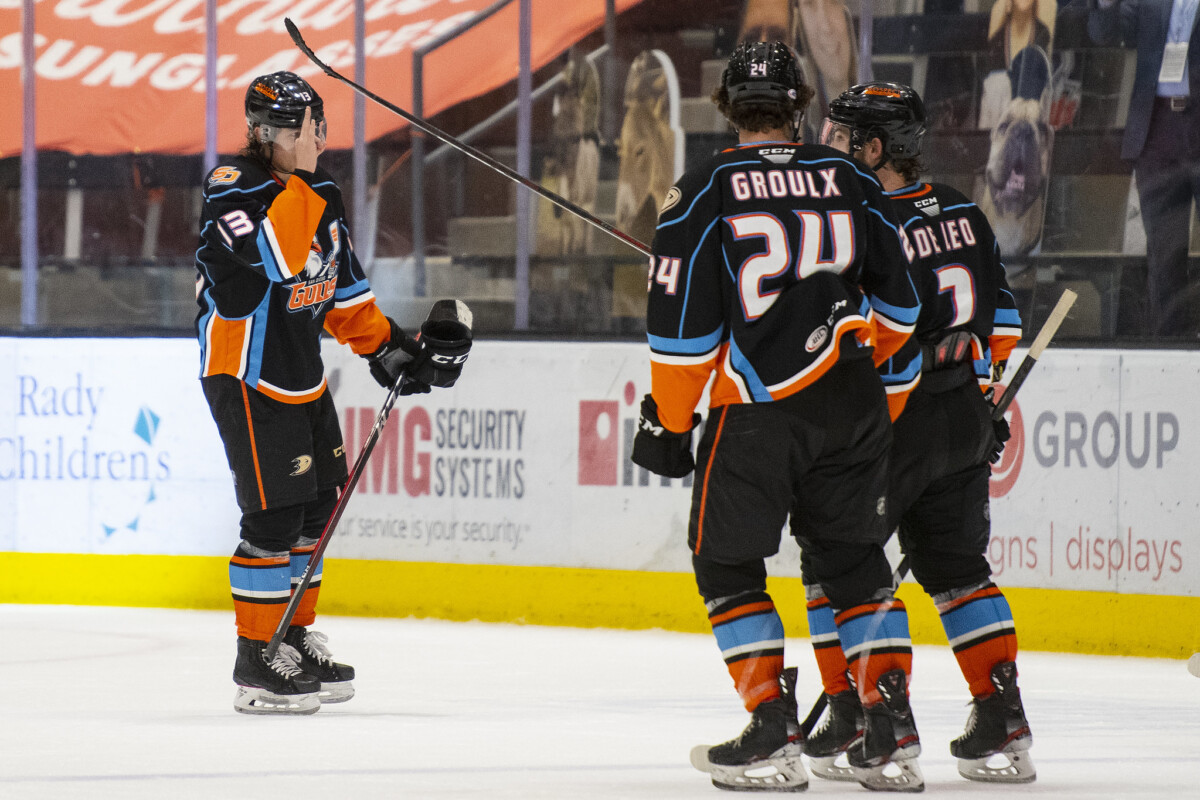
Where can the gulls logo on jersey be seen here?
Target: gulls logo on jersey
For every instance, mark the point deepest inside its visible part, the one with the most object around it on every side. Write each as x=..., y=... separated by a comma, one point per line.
x=778, y=155
x=930, y=206
x=315, y=285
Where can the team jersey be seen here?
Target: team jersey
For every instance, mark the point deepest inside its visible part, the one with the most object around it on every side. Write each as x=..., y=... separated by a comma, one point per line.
x=275, y=269
x=763, y=260
x=961, y=282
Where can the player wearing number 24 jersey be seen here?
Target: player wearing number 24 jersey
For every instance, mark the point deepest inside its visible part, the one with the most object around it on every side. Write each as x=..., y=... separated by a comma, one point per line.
x=763, y=260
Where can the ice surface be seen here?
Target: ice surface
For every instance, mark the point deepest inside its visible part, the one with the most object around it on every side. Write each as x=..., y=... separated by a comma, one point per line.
x=137, y=703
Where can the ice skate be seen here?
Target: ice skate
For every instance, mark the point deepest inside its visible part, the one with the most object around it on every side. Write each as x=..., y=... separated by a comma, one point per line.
x=887, y=758
x=995, y=746
x=316, y=660
x=766, y=756
x=275, y=687
x=842, y=730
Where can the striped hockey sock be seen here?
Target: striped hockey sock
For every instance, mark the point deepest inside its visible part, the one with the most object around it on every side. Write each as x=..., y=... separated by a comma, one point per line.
x=827, y=647
x=979, y=626
x=750, y=635
x=261, y=585
x=875, y=639
x=306, y=612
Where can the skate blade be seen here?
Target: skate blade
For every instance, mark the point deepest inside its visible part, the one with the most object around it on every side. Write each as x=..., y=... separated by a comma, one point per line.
x=901, y=774
x=1009, y=766
x=250, y=700
x=336, y=692
x=782, y=771
x=828, y=768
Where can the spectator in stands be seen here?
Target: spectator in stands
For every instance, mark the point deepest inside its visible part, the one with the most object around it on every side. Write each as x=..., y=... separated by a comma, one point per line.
x=1162, y=138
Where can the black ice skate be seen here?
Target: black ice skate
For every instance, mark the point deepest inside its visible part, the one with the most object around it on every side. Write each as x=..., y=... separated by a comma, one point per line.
x=316, y=660
x=275, y=687
x=841, y=731
x=997, y=732
x=887, y=758
x=766, y=756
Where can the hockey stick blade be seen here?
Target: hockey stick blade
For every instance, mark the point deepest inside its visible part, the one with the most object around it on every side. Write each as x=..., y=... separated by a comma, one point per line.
x=464, y=148
x=1049, y=328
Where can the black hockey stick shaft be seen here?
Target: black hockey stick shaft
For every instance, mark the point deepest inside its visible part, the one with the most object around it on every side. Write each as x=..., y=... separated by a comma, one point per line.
x=463, y=147
x=1049, y=328
x=314, y=559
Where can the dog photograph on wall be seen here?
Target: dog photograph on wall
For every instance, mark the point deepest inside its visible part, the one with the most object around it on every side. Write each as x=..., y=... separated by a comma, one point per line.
x=1017, y=173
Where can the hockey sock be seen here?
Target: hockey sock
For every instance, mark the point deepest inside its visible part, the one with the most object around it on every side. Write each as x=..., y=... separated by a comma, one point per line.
x=979, y=626
x=306, y=612
x=260, y=581
x=750, y=635
x=875, y=640
x=827, y=647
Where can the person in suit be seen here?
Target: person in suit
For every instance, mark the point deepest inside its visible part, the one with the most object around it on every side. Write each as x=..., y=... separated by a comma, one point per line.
x=1162, y=138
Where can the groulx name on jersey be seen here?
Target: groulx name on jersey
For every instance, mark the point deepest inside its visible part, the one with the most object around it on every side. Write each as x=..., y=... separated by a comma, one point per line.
x=955, y=234
x=784, y=183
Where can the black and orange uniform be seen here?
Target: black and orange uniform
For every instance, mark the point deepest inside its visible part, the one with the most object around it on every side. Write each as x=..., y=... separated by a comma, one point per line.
x=276, y=269
x=938, y=477
x=778, y=273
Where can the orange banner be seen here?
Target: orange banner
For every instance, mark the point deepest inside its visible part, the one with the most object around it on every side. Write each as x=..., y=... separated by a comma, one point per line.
x=120, y=76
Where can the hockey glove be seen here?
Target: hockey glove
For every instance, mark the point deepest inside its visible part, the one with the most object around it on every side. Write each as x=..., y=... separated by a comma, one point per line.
x=393, y=358
x=659, y=450
x=1000, y=435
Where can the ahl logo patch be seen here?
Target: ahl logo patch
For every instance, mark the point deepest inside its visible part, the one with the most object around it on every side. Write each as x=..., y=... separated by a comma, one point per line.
x=816, y=339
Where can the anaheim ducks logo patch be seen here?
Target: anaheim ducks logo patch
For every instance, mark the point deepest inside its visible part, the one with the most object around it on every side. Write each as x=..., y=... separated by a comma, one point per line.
x=670, y=201
x=301, y=465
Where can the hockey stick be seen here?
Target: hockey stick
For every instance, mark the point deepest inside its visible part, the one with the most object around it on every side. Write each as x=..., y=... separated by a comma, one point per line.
x=466, y=149
x=1049, y=328
x=438, y=316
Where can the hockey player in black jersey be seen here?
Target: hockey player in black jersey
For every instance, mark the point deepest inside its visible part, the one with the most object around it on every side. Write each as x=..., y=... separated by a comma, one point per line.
x=276, y=269
x=778, y=272
x=943, y=440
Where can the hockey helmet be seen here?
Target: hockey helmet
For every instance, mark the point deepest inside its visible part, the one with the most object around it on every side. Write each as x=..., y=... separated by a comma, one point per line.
x=891, y=112
x=278, y=100
x=762, y=72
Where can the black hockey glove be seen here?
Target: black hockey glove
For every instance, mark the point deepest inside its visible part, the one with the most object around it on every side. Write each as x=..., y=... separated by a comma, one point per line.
x=394, y=357
x=1000, y=435
x=659, y=450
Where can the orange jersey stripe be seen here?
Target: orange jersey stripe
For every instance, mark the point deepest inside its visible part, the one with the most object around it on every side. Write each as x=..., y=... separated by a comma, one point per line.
x=294, y=215
x=276, y=393
x=1002, y=346
x=228, y=341
x=677, y=389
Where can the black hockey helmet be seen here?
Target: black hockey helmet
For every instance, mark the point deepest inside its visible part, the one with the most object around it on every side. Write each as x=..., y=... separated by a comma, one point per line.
x=891, y=112
x=278, y=101
x=762, y=72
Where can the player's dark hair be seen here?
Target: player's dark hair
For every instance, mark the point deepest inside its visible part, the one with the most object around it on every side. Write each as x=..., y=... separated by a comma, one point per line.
x=910, y=169
x=263, y=152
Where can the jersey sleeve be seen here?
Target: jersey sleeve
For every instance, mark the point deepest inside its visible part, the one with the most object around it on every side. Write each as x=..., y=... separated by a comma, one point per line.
x=685, y=323
x=355, y=318
x=886, y=282
x=1006, y=329
x=271, y=235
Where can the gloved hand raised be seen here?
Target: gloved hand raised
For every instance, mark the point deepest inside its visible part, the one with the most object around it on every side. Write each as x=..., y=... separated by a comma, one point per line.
x=659, y=450
x=393, y=358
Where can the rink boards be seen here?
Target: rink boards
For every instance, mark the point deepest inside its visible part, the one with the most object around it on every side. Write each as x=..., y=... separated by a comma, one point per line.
x=511, y=496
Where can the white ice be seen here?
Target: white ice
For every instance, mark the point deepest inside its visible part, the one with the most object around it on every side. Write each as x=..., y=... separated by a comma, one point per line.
x=137, y=703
